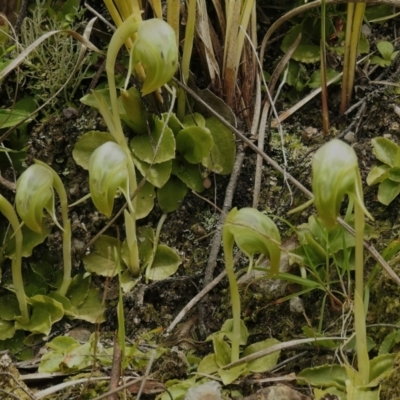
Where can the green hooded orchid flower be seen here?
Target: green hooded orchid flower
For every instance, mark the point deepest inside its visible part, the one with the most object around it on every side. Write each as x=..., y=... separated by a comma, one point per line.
x=335, y=173
x=35, y=194
x=108, y=172
x=156, y=50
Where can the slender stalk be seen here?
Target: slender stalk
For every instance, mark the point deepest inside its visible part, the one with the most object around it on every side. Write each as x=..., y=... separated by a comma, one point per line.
x=62, y=195
x=8, y=211
x=131, y=239
x=186, y=55
x=324, y=87
x=155, y=244
x=228, y=241
x=359, y=312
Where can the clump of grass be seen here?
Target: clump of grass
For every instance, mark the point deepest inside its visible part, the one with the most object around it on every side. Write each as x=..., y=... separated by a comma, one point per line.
x=49, y=66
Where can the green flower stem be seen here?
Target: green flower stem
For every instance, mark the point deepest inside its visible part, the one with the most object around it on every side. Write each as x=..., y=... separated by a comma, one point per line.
x=8, y=211
x=186, y=56
x=155, y=244
x=126, y=29
x=62, y=195
x=131, y=240
x=228, y=241
x=359, y=312
x=67, y=258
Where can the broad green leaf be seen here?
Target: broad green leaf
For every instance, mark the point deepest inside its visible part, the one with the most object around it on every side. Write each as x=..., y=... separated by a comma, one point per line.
x=145, y=147
x=265, y=363
x=87, y=144
x=9, y=307
x=69, y=310
x=208, y=365
x=356, y=392
x=223, y=152
x=91, y=101
x=394, y=174
x=92, y=309
x=386, y=346
x=194, y=143
x=378, y=174
x=50, y=362
x=325, y=376
x=173, y=122
x=157, y=174
x=78, y=290
x=255, y=233
x=145, y=200
x=386, y=49
x=170, y=196
x=222, y=351
x=330, y=391
x=380, y=367
x=166, y=262
x=388, y=191
x=188, y=174
x=9, y=118
x=7, y=329
x=306, y=52
x=62, y=343
x=227, y=329
x=53, y=307
x=230, y=375
x=315, y=79
x=77, y=358
x=40, y=322
x=194, y=119
x=101, y=260
x=31, y=239
x=385, y=150
x=127, y=281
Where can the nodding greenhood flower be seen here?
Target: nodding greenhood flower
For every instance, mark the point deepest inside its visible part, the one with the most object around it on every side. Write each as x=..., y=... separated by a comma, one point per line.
x=108, y=172
x=255, y=233
x=155, y=48
x=34, y=194
x=335, y=173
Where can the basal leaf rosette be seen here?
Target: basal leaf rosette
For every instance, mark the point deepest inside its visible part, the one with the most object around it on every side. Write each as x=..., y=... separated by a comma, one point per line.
x=108, y=172
x=155, y=48
x=34, y=193
x=335, y=173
